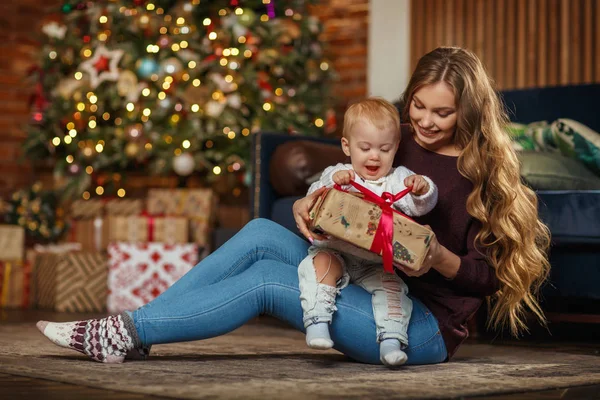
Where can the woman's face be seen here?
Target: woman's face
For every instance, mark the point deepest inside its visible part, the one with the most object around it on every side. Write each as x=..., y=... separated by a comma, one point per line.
x=433, y=117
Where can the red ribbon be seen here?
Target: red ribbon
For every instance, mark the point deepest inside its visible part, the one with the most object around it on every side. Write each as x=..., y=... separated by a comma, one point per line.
x=150, y=219
x=382, y=242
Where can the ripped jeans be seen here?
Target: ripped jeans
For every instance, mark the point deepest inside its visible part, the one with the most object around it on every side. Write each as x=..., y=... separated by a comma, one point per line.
x=392, y=307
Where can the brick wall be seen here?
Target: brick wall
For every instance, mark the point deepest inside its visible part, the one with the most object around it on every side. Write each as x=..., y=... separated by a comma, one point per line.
x=20, y=24
x=345, y=34
x=346, y=29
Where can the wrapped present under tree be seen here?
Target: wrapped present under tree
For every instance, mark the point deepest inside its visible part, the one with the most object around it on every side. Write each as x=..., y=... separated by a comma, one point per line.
x=147, y=228
x=89, y=223
x=14, y=284
x=12, y=242
x=69, y=281
x=198, y=205
x=139, y=272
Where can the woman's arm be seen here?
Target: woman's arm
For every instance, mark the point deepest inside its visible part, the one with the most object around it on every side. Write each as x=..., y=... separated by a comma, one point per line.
x=470, y=273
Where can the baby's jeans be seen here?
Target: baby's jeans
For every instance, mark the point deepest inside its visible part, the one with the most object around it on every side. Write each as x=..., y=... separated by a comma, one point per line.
x=391, y=305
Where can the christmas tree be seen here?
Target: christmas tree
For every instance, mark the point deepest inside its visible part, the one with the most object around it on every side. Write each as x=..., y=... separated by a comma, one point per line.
x=169, y=86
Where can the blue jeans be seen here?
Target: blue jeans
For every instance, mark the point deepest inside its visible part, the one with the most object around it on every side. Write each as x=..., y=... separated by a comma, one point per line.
x=255, y=273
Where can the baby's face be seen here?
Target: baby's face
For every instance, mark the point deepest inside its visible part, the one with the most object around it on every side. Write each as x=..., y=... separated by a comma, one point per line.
x=371, y=150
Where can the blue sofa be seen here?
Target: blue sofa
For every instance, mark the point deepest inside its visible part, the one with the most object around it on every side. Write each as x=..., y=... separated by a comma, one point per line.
x=572, y=216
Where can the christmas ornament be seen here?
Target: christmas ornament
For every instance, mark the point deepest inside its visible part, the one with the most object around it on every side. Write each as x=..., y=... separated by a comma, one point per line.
x=171, y=66
x=134, y=131
x=247, y=18
x=163, y=41
x=66, y=87
x=146, y=67
x=214, y=108
x=128, y=86
x=103, y=66
x=234, y=100
x=330, y=121
x=55, y=30
x=183, y=165
x=166, y=103
x=74, y=169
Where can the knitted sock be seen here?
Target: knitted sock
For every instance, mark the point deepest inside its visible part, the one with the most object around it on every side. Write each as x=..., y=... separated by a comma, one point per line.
x=390, y=353
x=317, y=336
x=105, y=340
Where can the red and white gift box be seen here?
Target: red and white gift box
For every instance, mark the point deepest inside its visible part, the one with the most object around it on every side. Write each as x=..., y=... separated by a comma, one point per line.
x=139, y=272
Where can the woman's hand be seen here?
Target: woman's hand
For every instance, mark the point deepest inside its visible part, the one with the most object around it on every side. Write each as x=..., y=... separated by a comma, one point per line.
x=301, y=211
x=434, y=257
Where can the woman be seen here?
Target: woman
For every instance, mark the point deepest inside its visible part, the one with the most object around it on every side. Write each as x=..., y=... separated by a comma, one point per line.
x=491, y=243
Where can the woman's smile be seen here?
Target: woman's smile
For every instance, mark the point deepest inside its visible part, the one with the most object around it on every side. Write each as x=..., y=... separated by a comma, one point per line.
x=428, y=132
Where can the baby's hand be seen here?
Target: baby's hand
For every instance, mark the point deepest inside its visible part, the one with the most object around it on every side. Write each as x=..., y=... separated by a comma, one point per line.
x=343, y=177
x=418, y=184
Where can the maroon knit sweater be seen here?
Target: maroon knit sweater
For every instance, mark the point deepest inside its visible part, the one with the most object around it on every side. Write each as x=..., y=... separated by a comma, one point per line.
x=452, y=301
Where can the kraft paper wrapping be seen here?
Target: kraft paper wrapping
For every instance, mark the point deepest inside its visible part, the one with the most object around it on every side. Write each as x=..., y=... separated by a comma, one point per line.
x=348, y=217
x=169, y=230
x=92, y=234
x=87, y=209
x=12, y=242
x=43, y=260
x=196, y=204
x=70, y=281
x=124, y=207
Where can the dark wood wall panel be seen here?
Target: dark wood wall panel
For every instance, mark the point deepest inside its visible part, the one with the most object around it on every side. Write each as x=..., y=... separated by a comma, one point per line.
x=523, y=43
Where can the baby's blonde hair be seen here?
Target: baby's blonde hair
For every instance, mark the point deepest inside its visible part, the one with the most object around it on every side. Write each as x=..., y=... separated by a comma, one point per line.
x=377, y=111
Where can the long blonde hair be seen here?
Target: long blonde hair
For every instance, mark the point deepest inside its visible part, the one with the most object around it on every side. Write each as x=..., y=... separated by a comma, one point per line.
x=513, y=239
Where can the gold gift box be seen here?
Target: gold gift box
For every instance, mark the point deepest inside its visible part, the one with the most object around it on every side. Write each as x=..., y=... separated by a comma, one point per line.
x=349, y=217
x=138, y=228
x=198, y=205
x=12, y=242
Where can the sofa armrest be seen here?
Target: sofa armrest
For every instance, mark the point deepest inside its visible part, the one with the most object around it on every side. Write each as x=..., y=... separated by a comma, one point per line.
x=262, y=194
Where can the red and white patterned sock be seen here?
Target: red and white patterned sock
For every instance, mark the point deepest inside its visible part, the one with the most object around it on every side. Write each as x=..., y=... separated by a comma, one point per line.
x=106, y=340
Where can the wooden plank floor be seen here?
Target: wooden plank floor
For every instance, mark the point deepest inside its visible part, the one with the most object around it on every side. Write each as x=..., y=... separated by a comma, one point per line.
x=20, y=387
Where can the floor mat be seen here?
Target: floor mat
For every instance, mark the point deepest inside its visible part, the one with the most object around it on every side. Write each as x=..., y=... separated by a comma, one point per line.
x=258, y=362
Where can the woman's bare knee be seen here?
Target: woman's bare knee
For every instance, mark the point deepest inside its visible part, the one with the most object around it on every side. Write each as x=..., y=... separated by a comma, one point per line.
x=328, y=268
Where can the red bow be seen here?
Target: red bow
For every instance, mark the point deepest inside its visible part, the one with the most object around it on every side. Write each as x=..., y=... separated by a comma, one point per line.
x=382, y=242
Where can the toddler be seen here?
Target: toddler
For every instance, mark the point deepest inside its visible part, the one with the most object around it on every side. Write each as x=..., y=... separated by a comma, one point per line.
x=371, y=137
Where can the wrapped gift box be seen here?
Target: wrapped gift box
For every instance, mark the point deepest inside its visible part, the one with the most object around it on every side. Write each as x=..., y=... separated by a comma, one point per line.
x=90, y=225
x=148, y=229
x=87, y=209
x=124, y=207
x=14, y=284
x=12, y=242
x=354, y=219
x=198, y=205
x=69, y=281
x=139, y=272
x=92, y=234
